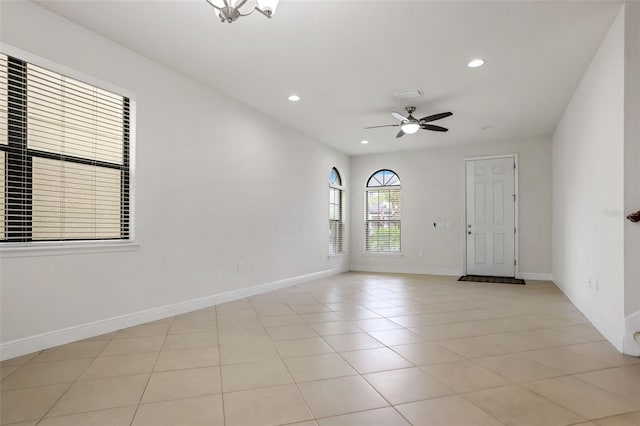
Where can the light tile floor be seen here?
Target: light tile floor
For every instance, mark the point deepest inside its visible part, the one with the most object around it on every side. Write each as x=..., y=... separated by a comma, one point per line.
x=353, y=349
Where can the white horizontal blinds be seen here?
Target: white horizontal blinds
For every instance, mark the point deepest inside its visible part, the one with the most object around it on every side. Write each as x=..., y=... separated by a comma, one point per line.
x=74, y=201
x=336, y=225
x=68, y=158
x=382, y=212
x=2, y=195
x=3, y=100
x=66, y=116
x=3, y=136
x=336, y=213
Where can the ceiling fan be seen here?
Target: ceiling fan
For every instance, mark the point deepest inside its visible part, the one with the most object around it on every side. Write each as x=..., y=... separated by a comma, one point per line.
x=409, y=124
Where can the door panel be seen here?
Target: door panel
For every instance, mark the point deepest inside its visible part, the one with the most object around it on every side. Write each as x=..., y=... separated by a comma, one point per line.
x=480, y=248
x=491, y=217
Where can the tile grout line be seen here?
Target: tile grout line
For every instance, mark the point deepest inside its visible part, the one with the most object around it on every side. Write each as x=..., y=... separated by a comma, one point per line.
x=400, y=355
x=135, y=413
x=224, y=411
x=74, y=381
x=306, y=403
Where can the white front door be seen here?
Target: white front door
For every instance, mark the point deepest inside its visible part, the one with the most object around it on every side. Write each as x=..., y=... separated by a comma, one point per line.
x=491, y=217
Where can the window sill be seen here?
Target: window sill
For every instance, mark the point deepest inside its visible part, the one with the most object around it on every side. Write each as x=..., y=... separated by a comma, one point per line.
x=66, y=248
x=381, y=253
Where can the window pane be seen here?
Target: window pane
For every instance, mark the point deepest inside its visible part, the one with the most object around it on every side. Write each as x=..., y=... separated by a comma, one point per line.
x=334, y=177
x=393, y=180
x=69, y=117
x=3, y=100
x=383, y=178
x=336, y=226
x=336, y=229
x=75, y=201
x=376, y=180
x=383, y=236
x=373, y=205
x=394, y=204
x=2, y=194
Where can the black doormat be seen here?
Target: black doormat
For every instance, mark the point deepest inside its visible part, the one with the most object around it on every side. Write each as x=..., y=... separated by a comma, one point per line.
x=496, y=280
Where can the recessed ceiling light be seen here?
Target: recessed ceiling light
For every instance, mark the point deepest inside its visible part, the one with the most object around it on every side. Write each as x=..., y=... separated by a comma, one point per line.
x=476, y=63
x=294, y=98
x=364, y=142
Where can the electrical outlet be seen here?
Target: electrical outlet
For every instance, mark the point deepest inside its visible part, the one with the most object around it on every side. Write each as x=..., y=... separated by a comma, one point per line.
x=420, y=253
x=240, y=267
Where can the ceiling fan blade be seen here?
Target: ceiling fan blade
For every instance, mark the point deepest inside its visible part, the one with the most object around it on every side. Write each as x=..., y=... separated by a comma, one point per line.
x=434, y=128
x=386, y=125
x=398, y=116
x=435, y=117
x=400, y=134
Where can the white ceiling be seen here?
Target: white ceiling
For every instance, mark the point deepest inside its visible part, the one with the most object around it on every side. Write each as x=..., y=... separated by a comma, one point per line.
x=345, y=58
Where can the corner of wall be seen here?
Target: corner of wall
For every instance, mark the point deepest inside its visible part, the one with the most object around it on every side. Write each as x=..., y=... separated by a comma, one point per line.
x=631, y=343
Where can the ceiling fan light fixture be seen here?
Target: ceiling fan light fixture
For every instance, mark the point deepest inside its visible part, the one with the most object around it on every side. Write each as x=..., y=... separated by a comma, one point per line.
x=475, y=63
x=410, y=128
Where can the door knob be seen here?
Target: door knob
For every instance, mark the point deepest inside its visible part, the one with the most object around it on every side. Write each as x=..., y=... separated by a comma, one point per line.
x=469, y=232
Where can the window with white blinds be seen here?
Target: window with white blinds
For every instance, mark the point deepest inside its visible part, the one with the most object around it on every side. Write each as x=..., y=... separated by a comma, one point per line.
x=64, y=157
x=382, y=212
x=3, y=139
x=336, y=213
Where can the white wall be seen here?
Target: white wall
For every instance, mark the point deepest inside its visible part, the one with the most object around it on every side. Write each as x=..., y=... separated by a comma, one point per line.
x=588, y=198
x=216, y=184
x=632, y=173
x=433, y=190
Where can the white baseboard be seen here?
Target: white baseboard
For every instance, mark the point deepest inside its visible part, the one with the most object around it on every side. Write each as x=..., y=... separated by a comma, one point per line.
x=18, y=347
x=541, y=276
x=406, y=270
x=536, y=276
x=611, y=334
x=632, y=325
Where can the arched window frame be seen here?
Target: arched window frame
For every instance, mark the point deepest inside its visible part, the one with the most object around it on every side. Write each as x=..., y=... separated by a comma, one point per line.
x=336, y=213
x=382, y=218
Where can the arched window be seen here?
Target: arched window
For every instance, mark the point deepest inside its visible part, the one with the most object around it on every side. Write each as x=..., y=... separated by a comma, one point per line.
x=382, y=212
x=336, y=213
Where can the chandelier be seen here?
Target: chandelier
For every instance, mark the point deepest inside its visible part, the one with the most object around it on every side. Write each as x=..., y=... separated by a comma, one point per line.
x=229, y=10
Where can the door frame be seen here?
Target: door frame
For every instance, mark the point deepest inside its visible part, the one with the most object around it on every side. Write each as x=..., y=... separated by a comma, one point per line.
x=516, y=211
